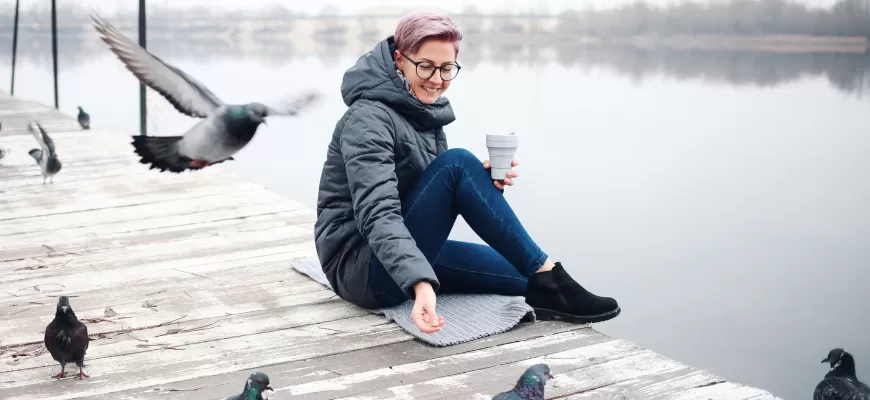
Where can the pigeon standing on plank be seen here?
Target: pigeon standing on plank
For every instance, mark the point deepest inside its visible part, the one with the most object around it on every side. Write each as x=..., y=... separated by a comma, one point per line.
x=84, y=119
x=840, y=382
x=45, y=155
x=225, y=128
x=256, y=388
x=530, y=386
x=66, y=338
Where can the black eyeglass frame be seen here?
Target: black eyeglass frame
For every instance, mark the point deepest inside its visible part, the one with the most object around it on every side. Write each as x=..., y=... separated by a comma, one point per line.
x=434, y=67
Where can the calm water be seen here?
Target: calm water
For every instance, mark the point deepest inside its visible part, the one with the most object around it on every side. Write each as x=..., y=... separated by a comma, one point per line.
x=721, y=198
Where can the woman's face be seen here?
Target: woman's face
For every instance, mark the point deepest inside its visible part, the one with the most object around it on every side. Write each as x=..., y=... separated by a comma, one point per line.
x=433, y=53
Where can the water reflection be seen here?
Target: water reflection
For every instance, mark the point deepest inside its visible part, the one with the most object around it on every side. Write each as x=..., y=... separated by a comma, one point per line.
x=847, y=72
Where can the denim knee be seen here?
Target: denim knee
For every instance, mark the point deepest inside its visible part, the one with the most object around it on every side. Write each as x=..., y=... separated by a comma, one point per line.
x=459, y=156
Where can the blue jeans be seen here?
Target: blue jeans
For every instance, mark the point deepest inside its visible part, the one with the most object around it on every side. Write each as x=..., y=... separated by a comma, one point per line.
x=455, y=183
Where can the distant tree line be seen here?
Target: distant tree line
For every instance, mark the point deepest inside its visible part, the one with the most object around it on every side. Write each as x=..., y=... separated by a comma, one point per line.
x=737, y=17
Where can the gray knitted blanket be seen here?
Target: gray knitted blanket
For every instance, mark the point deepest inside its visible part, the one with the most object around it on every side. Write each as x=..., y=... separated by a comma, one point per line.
x=468, y=316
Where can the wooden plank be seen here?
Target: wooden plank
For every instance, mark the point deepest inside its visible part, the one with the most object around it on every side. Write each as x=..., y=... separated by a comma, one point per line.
x=78, y=271
x=436, y=368
x=660, y=385
x=597, y=364
x=106, y=233
x=122, y=196
x=191, y=292
x=53, y=253
x=210, y=207
x=130, y=371
x=343, y=364
x=725, y=390
x=158, y=337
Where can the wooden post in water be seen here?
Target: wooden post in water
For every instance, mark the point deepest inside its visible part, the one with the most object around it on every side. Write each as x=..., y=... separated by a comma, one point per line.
x=143, y=107
x=14, y=48
x=54, y=46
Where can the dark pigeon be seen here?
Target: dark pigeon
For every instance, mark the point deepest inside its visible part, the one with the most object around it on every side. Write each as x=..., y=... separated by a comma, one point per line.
x=45, y=155
x=84, y=119
x=256, y=388
x=840, y=382
x=225, y=128
x=66, y=338
x=530, y=386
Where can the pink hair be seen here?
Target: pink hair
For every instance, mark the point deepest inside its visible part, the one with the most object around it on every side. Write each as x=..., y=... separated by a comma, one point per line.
x=416, y=28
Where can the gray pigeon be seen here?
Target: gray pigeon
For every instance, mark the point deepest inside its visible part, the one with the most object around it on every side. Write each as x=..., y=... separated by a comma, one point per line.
x=256, y=388
x=530, y=386
x=84, y=119
x=45, y=155
x=225, y=128
x=840, y=382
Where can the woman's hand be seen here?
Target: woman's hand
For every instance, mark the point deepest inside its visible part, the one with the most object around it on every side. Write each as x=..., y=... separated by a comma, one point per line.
x=423, y=313
x=509, y=179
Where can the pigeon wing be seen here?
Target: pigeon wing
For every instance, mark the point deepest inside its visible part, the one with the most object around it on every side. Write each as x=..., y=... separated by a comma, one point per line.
x=293, y=106
x=49, y=144
x=185, y=93
x=40, y=136
x=837, y=388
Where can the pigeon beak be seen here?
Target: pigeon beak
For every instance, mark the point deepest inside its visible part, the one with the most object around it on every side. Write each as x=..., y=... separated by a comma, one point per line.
x=64, y=308
x=825, y=360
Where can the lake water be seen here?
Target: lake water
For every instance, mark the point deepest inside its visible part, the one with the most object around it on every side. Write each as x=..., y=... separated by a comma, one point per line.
x=721, y=198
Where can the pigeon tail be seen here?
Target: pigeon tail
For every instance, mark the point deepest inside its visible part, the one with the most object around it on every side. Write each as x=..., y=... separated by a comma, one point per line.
x=162, y=153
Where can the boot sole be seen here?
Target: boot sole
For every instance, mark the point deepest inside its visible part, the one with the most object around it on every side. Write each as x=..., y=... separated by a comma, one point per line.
x=544, y=314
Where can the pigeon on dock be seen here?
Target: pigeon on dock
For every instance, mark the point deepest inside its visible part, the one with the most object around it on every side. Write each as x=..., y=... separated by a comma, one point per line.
x=84, y=119
x=530, y=386
x=256, y=388
x=225, y=128
x=841, y=383
x=45, y=155
x=66, y=338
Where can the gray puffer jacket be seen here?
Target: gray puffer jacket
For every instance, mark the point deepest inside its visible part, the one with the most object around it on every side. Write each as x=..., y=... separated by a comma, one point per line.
x=379, y=148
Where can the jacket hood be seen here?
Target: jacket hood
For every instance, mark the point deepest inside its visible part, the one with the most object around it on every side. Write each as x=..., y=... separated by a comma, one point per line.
x=374, y=77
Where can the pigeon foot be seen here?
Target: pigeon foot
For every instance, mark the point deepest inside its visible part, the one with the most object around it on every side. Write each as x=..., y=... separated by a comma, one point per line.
x=199, y=164
x=82, y=374
x=61, y=374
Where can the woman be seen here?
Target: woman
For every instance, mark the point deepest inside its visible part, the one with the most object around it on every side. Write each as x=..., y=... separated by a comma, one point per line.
x=390, y=193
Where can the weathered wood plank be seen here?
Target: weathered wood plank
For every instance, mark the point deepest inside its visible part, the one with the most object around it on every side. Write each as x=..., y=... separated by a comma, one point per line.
x=130, y=371
x=203, y=292
x=436, y=368
x=165, y=214
x=724, y=390
x=660, y=385
x=345, y=364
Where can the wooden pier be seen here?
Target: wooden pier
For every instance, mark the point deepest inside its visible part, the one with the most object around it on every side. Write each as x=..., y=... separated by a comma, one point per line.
x=186, y=286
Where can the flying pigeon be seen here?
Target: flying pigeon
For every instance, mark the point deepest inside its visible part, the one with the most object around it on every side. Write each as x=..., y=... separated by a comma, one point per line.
x=840, y=382
x=45, y=155
x=66, y=338
x=256, y=388
x=225, y=128
x=84, y=119
x=530, y=386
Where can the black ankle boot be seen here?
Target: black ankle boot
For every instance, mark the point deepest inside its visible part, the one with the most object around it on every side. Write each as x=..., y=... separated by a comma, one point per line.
x=556, y=296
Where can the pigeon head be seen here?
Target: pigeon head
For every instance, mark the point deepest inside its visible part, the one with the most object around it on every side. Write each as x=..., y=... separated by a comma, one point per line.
x=840, y=358
x=256, y=112
x=257, y=387
x=64, y=308
x=535, y=376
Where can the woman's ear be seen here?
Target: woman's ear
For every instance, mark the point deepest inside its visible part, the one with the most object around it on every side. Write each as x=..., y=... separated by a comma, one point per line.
x=397, y=58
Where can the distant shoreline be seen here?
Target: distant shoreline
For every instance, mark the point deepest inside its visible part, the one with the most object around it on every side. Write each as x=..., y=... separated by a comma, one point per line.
x=767, y=43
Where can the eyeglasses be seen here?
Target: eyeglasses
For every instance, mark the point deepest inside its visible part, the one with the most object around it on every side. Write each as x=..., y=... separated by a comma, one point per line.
x=426, y=69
